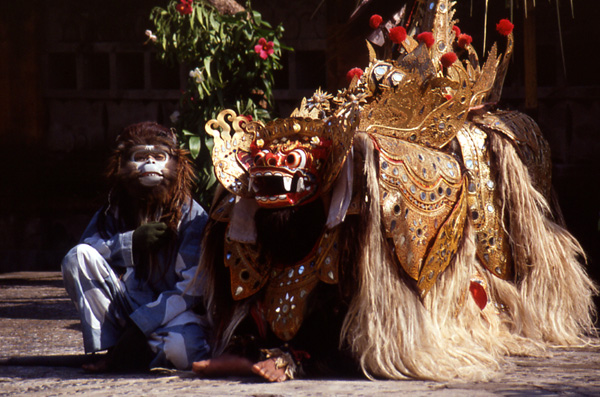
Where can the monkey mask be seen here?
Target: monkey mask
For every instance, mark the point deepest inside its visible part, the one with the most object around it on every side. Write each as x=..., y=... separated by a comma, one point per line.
x=150, y=171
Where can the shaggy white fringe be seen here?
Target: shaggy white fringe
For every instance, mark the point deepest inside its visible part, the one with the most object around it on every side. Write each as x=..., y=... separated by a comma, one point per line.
x=390, y=330
x=394, y=334
x=553, y=290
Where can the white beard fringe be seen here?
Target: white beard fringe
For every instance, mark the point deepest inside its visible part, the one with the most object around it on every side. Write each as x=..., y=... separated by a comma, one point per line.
x=395, y=334
x=554, y=291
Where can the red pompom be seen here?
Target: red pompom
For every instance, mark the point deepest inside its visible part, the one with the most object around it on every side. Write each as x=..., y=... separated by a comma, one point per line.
x=456, y=30
x=478, y=293
x=504, y=27
x=427, y=38
x=375, y=21
x=464, y=40
x=398, y=34
x=448, y=59
x=354, y=72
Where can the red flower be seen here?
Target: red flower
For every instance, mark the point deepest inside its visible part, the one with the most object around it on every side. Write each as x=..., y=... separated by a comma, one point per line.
x=185, y=7
x=504, y=27
x=427, y=38
x=375, y=21
x=464, y=40
x=248, y=117
x=456, y=30
x=398, y=34
x=264, y=48
x=354, y=72
x=448, y=59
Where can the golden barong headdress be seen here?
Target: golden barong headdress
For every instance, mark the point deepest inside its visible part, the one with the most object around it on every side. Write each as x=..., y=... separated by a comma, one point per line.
x=424, y=94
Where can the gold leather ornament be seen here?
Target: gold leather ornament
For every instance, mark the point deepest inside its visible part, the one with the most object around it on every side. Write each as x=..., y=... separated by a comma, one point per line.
x=485, y=210
x=229, y=149
x=422, y=201
x=286, y=289
x=418, y=100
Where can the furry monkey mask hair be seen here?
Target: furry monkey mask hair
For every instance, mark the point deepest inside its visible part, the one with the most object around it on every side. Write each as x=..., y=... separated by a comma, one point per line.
x=150, y=176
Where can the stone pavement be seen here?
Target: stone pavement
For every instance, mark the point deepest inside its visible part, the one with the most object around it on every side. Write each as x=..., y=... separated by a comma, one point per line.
x=38, y=319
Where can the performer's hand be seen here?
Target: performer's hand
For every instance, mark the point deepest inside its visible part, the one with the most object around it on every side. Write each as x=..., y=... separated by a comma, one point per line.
x=149, y=237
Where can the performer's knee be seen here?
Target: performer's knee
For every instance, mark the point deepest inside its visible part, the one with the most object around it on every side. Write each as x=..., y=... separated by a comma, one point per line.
x=78, y=259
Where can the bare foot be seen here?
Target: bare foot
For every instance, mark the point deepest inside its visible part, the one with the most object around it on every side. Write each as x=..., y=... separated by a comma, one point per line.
x=225, y=365
x=268, y=370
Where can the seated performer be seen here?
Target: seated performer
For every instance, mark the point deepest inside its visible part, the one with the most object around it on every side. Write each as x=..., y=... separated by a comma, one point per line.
x=404, y=227
x=129, y=276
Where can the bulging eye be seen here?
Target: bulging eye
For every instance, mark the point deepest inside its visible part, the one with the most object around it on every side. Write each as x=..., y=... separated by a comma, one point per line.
x=296, y=159
x=260, y=156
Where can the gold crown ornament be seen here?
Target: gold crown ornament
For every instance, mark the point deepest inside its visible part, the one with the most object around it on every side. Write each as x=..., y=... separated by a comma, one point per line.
x=425, y=94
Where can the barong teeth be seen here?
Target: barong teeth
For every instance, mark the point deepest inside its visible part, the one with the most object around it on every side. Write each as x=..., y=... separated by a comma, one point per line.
x=287, y=183
x=300, y=185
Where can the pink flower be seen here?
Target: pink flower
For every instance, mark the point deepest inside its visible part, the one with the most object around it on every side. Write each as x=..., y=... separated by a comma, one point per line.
x=464, y=40
x=448, y=59
x=264, y=48
x=354, y=72
x=427, y=38
x=504, y=27
x=375, y=21
x=185, y=7
x=398, y=34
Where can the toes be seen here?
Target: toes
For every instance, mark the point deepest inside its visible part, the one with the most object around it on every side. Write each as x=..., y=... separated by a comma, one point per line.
x=282, y=378
x=258, y=370
x=268, y=371
x=200, y=366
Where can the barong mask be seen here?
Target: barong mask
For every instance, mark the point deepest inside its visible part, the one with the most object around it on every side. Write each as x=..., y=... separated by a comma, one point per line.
x=284, y=163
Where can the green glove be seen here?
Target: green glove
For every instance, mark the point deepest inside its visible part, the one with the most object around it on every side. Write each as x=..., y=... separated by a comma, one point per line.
x=149, y=237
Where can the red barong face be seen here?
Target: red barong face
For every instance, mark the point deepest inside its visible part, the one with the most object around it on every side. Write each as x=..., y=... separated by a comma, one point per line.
x=287, y=171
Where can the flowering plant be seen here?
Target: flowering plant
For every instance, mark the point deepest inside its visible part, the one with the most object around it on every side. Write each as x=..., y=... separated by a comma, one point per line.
x=225, y=70
x=264, y=48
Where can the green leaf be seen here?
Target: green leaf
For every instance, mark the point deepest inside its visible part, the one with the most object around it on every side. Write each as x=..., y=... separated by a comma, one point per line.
x=223, y=45
x=207, y=60
x=194, y=148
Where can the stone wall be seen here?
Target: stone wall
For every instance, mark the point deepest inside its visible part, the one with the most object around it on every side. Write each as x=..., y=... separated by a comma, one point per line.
x=73, y=74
